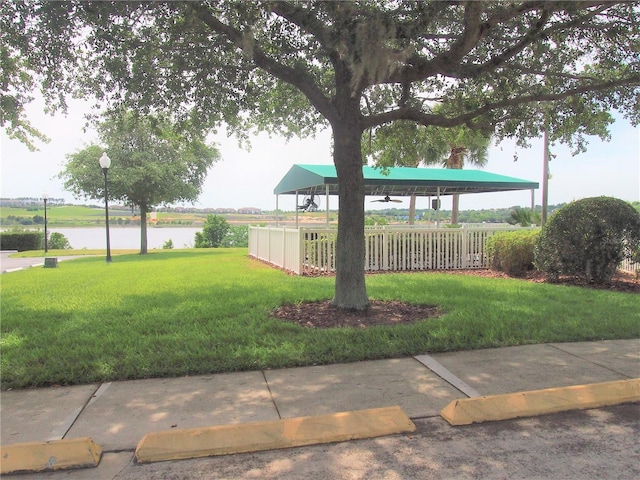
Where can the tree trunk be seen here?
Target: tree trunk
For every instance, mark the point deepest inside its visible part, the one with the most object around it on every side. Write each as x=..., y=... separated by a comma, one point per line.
x=455, y=209
x=412, y=210
x=143, y=231
x=350, y=288
x=455, y=161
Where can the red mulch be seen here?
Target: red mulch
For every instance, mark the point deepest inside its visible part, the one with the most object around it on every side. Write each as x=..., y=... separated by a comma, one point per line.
x=324, y=315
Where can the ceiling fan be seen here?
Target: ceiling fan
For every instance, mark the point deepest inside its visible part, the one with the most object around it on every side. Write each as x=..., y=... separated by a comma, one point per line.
x=388, y=199
x=309, y=204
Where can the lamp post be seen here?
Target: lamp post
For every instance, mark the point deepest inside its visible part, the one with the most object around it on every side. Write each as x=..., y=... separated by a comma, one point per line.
x=105, y=163
x=545, y=180
x=45, y=197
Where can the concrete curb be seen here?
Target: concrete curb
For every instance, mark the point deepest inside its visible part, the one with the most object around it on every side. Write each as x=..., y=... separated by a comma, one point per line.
x=541, y=402
x=276, y=434
x=53, y=455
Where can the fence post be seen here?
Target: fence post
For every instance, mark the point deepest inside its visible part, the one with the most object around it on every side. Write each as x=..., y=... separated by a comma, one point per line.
x=465, y=248
x=385, y=249
x=301, y=251
x=283, y=253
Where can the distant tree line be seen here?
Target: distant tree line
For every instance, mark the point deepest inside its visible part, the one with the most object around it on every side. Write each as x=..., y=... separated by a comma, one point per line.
x=491, y=215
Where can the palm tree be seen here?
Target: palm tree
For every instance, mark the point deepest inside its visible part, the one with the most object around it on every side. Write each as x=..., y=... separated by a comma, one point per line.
x=464, y=145
x=408, y=144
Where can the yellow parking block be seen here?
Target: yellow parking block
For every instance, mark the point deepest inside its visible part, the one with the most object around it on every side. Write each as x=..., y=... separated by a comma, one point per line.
x=256, y=436
x=541, y=402
x=53, y=455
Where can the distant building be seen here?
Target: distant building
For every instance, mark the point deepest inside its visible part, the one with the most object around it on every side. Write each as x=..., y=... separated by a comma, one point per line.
x=24, y=202
x=250, y=210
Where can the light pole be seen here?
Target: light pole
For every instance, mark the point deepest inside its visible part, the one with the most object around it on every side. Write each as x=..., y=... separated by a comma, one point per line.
x=105, y=163
x=45, y=197
x=545, y=180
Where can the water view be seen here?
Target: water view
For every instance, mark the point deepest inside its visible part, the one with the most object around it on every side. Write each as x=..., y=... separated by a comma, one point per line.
x=128, y=237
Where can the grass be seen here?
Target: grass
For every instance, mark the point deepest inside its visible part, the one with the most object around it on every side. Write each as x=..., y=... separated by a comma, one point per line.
x=174, y=313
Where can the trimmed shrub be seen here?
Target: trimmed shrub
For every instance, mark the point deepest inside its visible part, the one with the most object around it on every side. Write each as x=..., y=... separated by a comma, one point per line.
x=21, y=241
x=588, y=238
x=512, y=252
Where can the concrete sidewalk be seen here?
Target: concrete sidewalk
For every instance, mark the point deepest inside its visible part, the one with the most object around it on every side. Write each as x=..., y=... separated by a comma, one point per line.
x=117, y=415
x=10, y=264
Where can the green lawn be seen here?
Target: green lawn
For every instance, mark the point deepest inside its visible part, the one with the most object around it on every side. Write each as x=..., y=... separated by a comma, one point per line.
x=174, y=313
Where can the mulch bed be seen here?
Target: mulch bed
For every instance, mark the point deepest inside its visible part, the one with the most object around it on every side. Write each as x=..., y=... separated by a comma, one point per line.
x=324, y=315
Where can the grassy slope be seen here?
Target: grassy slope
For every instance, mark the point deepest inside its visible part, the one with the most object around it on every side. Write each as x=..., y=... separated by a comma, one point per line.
x=85, y=216
x=62, y=216
x=201, y=311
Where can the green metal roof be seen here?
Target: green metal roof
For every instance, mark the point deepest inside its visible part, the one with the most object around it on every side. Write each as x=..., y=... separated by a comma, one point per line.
x=400, y=181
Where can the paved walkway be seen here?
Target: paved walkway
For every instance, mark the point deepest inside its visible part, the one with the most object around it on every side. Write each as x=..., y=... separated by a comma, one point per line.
x=10, y=264
x=116, y=415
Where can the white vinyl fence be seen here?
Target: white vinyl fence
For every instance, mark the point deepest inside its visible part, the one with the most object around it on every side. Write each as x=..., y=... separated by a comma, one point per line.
x=312, y=250
x=630, y=267
x=279, y=246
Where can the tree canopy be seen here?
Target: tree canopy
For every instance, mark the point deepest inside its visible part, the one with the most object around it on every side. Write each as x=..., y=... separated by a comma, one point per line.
x=152, y=164
x=515, y=68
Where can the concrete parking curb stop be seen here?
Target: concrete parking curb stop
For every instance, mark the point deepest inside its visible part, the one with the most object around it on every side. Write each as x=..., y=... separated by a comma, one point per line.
x=541, y=402
x=53, y=455
x=270, y=435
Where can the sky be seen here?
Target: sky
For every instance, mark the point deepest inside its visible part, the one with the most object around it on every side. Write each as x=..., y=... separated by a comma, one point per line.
x=246, y=178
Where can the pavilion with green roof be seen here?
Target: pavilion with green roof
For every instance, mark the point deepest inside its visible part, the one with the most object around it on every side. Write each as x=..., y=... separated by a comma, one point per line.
x=311, y=249
x=309, y=180
x=399, y=181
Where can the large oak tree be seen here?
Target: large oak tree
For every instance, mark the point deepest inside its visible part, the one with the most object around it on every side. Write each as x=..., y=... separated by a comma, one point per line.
x=292, y=67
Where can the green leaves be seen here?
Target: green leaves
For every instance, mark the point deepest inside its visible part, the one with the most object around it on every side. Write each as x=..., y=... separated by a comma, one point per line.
x=485, y=61
x=213, y=232
x=588, y=238
x=153, y=162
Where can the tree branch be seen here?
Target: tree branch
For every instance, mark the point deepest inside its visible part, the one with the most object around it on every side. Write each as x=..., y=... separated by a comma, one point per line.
x=469, y=118
x=294, y=76
x=449, y=63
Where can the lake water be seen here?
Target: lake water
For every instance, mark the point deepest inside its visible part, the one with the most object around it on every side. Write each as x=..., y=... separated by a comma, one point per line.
x=128, y=237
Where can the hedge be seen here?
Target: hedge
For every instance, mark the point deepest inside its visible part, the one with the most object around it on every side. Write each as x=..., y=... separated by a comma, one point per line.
x=21, y=241
x=512, y=252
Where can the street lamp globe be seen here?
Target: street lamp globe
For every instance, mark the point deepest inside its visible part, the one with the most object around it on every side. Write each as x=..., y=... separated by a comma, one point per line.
x=105, y=161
